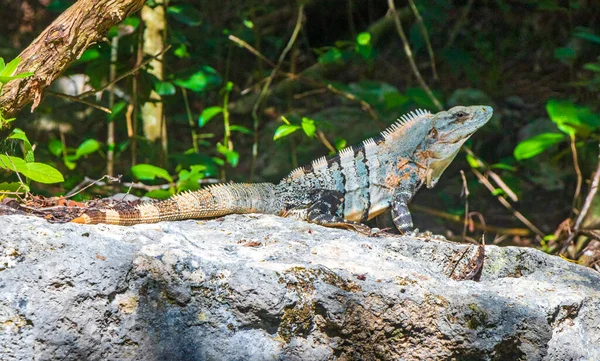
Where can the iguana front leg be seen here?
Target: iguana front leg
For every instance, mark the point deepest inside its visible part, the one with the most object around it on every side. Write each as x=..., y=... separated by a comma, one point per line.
x=400, y=213
x=324, y=211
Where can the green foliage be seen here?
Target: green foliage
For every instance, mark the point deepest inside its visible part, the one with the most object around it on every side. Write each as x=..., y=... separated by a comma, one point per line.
x=186, y=14
x=536, y=145
x=7, y=73
x=37, y=172
x=199, y=80
x=150, y=172
x=208, y=114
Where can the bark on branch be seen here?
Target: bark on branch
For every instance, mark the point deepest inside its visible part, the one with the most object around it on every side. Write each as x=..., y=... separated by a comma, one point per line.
x=75, y=30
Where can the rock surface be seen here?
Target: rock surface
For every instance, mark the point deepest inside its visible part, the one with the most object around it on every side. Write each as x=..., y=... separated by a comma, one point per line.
x=266, y=288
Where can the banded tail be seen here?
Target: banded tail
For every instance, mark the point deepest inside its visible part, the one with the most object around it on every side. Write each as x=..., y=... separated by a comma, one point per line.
x=213, y=201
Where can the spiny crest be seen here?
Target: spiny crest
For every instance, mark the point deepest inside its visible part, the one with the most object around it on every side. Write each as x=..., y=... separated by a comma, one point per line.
x=319, y=163
x=413, y=116
x=346, y=151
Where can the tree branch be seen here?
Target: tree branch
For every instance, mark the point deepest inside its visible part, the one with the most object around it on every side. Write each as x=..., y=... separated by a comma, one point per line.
x=61, y=43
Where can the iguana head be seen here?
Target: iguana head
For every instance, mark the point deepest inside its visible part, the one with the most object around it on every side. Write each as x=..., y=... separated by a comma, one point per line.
x=447, y=132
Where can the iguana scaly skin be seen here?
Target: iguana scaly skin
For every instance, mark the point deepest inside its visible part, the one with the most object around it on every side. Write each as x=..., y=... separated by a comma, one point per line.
x=345, y=190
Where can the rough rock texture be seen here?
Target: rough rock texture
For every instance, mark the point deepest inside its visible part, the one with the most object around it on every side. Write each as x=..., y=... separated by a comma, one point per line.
x=266, y=288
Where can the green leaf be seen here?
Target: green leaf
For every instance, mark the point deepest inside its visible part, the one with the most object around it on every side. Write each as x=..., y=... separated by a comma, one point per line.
x=231, y=156
x=42, y=173
x=536, y=145
x=239, y=128
x=586, y=34
x=473, y=163
x=10, y=68
x=249, y=24
x=199, y=80
x=116, y=110
x=595, y=67
x=181, y=51
x=208, y=114
x=55, y=147
x=2, y=65
x=150, y=172
x=12, y=163
x=159, y=193
x=566, y=54
x=571, y=118
x=164, y=88
x=503, y=166
x=185, y=14
x=87, y=147
x=363, y=39
x=12, y=187
x=333, y=55
x=19, y=134
x=308, y=125
x=340, y=143
x=285, y=130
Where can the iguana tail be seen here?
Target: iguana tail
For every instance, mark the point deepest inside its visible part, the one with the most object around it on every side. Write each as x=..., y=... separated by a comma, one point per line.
x=213, y=201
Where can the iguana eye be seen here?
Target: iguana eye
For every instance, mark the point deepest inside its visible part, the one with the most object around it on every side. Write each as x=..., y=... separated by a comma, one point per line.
x=433, y=133
x=461, y=114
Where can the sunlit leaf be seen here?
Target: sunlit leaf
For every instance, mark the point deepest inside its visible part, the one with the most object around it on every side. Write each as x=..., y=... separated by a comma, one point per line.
x=10, y=68
x=536, y=145
x=208, y=114
x=55, y=147
x=159, y=193
x=164, y=88
x=231, y=156
x=150, y=172
x=241, y=129
x=87, y=147
x=285, y=130
x=340, y=143
x=309, y=127
x=42, y=173
x=363, y=38
x=249, y=24
x=199, y=80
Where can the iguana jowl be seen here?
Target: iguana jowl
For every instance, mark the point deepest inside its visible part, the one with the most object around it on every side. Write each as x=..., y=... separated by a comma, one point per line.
x=345, y=190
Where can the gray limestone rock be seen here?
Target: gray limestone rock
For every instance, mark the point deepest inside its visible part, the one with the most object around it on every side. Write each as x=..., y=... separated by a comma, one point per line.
x=255, y=287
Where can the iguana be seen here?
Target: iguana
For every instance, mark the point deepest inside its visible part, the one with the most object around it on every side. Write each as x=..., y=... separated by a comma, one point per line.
x=355, y=185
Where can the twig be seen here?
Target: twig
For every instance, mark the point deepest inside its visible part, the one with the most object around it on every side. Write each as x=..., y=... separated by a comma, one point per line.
x=409, y=55
x=425, y=36
x=325, y=142
x=312, y=82
x=14, y=169
x=459, y=24
x=309, y=93
x=586, y=206
x=466, y=193
x=188, y=112
x=507, y=205
x=577, y=171
x=249, y=47
x=110, y=132
x=76, y=99
x=521, y=232
x=265, y=88
x=495, y=177
x=125, y=75
x=88, y=182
